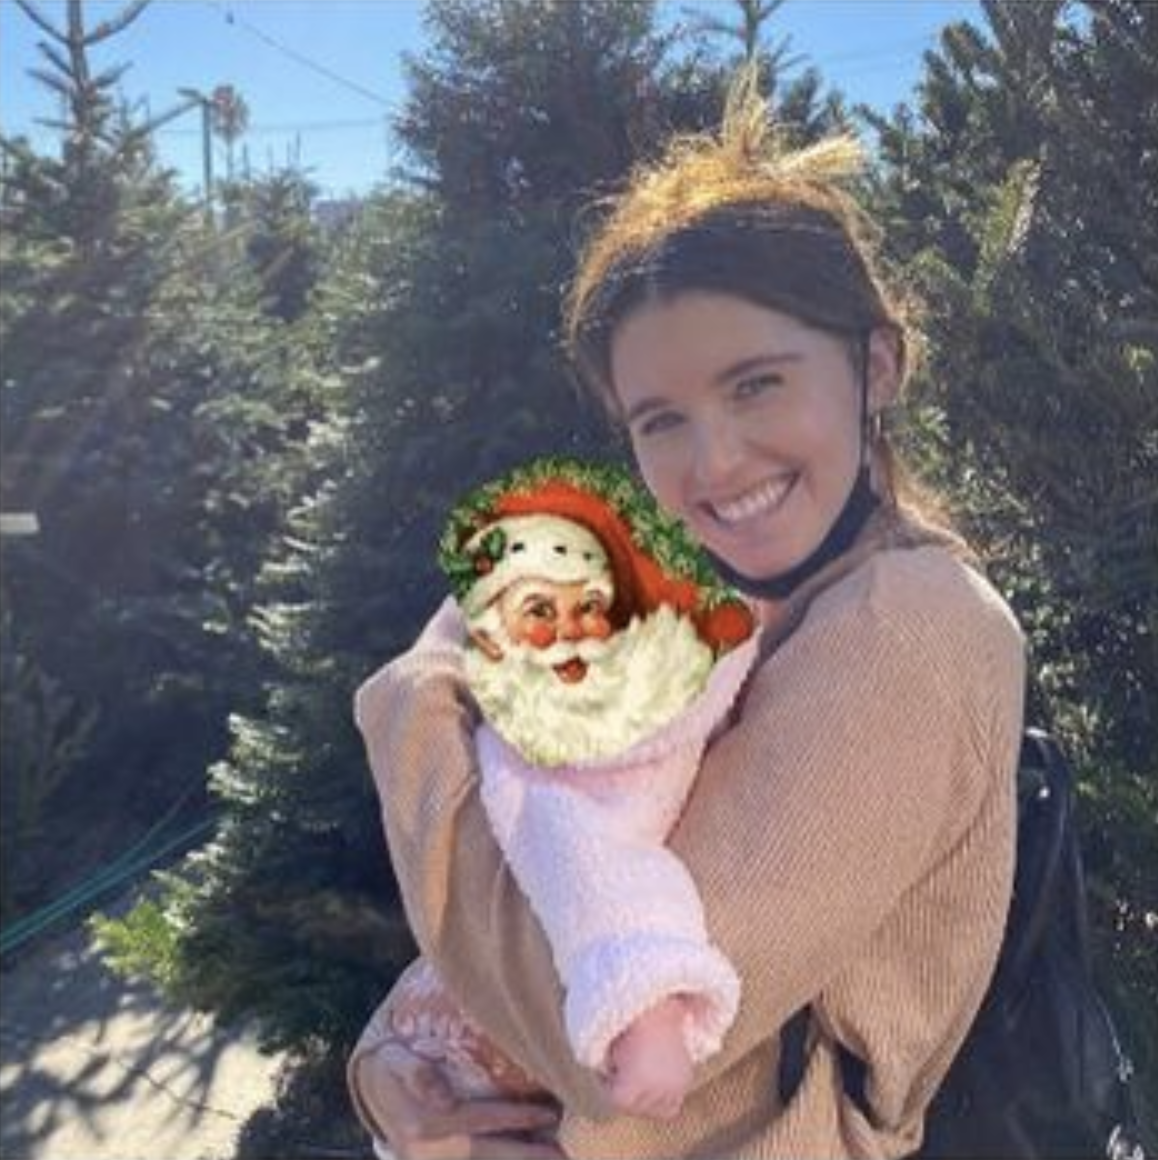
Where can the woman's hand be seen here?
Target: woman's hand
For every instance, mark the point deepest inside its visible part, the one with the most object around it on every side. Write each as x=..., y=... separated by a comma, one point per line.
x=420, y=1118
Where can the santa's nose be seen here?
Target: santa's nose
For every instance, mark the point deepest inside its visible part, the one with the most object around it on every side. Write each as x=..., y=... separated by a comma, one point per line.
x=570, y=628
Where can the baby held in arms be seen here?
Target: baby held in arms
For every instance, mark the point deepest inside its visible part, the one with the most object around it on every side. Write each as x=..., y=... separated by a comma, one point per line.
x=602, y=653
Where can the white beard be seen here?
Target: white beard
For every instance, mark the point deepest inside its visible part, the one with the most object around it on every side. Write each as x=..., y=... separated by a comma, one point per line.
x=636, y=682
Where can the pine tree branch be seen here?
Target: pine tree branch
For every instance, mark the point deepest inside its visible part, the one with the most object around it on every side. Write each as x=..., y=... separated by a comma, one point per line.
x=56, y=57
x=111, y=27
x=57, y=84
x=109, y=77
x=57, y=125
x=17, y=148
x=41, y=21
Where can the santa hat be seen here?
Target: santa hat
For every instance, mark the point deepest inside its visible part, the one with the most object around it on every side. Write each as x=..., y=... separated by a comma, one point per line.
x=586, y=508
x=533, y=547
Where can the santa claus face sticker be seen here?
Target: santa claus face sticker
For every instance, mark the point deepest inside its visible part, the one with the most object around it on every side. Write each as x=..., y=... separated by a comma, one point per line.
x=592, y=620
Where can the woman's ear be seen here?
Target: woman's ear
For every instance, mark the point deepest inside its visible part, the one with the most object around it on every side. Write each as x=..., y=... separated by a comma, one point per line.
x=487, y=644
x=886, y=367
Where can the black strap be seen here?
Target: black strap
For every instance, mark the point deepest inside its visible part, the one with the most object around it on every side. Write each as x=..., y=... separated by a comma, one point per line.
x=793, y=1037
x=862, y=501
x=794, y=1059
x=854, y=1075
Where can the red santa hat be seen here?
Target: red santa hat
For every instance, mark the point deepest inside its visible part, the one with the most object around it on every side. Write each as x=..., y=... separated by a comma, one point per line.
x=563, y=520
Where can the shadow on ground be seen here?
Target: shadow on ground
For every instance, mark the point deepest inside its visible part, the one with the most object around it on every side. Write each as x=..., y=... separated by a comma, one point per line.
x=93, y=1066
x=309, y=1117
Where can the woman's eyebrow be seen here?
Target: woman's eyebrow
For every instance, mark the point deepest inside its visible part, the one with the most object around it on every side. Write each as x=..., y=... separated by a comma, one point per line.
x=642, y=408
x=756, y=362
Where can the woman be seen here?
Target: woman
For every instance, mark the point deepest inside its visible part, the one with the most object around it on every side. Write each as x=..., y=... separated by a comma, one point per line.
x=852, y=831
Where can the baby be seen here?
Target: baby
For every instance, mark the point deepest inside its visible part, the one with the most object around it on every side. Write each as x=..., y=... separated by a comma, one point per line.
x=600, y=675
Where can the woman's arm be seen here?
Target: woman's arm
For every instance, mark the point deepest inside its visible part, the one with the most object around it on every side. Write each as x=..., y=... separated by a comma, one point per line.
x=869, y=787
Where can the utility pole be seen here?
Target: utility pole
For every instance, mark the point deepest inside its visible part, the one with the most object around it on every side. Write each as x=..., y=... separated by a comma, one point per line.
x=194, y=99
x=206, y=144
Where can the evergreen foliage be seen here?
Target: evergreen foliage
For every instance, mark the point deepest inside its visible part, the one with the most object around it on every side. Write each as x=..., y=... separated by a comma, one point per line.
x=280, y=240
x=437, y=325
x=1021, y=199
x=144, y=407
x=802, y=111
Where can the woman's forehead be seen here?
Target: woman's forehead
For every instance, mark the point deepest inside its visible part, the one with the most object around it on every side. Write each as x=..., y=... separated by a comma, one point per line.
x=705, y=335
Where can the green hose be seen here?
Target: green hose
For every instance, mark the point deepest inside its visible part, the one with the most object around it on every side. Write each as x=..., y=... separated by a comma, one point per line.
x=126, y=867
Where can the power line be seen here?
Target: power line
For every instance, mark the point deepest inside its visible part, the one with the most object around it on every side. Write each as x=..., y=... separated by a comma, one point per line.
x=300, y=58
x=290, y=127
x=896, y=49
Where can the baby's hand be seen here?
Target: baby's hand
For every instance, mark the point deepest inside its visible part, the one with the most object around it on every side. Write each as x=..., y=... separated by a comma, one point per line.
x=650, y=1070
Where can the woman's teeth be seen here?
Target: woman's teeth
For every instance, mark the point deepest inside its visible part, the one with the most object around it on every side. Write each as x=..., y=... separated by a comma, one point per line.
x=756, y=502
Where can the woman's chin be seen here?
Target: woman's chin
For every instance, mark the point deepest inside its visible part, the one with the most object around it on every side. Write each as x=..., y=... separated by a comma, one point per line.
x=757, y=548
x=742, y=555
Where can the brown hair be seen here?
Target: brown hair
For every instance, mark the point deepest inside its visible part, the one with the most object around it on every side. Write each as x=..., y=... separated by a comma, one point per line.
x=739, y=214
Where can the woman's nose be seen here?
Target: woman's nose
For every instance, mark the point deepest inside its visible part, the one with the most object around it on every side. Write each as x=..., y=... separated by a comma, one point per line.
x=718, y=444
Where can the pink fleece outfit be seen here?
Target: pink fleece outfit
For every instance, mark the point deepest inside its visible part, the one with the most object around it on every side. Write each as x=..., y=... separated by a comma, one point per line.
x=622, y=915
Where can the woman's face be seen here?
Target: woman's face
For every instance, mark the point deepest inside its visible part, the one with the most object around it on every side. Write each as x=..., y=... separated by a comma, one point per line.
x=745, y=422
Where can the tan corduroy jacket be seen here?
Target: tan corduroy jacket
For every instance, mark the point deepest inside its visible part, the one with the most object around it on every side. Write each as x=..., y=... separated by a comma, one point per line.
x=851, y=833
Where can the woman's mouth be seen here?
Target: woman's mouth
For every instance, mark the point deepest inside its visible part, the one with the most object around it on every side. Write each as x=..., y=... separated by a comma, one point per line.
x=761, y=500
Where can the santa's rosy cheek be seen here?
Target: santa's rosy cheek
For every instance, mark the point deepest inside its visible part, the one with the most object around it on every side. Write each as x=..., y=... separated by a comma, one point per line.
x=538, y=634
x=597, y=625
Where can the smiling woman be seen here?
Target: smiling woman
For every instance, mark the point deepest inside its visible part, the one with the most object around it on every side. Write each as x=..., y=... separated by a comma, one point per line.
x=851, y=830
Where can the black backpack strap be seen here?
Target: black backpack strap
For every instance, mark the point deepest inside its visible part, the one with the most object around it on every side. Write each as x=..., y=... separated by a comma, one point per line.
x=1045, y=853
x=793, y=1058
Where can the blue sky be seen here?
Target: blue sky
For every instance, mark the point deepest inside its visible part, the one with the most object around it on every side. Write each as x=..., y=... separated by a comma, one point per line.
x=322, y=79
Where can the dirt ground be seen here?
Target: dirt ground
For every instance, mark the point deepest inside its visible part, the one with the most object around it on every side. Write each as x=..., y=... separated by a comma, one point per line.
x=95, y=1068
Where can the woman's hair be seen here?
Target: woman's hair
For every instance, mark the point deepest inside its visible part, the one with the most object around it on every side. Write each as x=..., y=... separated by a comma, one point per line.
x=740, y=214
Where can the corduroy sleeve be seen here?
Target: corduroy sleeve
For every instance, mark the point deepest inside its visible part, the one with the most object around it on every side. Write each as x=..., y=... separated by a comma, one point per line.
x=873, y=743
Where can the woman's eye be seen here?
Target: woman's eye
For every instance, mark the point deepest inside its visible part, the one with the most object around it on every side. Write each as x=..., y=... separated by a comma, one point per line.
x=658, y=423
x=756, y=385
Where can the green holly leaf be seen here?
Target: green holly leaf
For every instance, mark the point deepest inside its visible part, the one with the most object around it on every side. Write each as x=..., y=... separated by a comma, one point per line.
x=494, y=544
